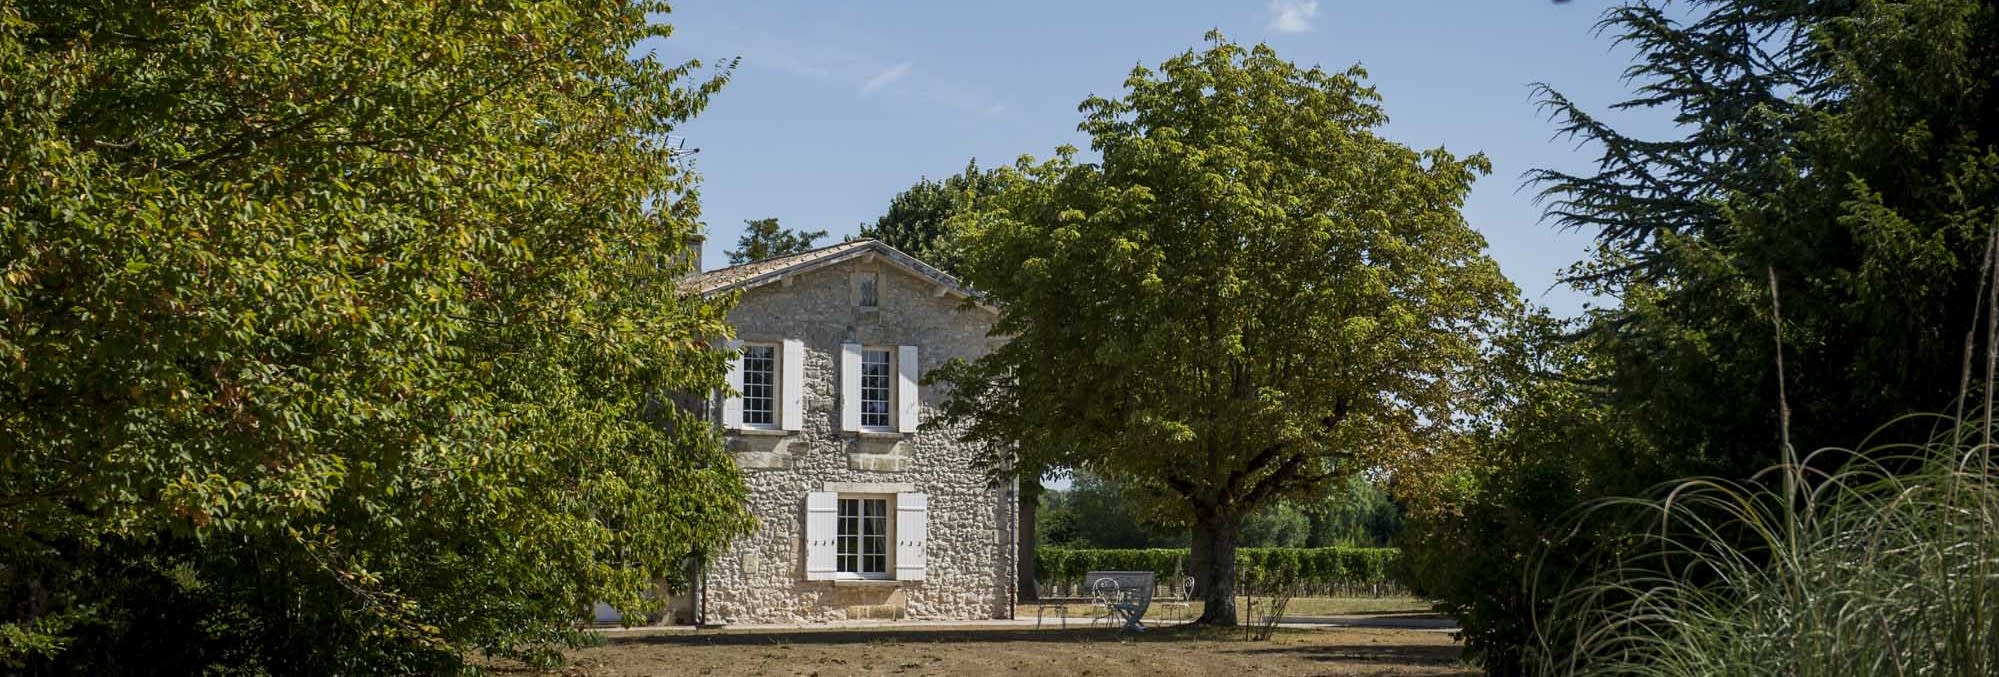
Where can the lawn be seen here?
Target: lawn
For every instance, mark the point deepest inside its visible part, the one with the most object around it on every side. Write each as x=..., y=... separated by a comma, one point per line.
x=994, y=651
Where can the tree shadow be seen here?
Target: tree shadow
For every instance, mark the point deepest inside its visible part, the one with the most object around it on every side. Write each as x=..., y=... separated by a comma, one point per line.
x=1380, y=620
x=1438, y=655
x=866, y=635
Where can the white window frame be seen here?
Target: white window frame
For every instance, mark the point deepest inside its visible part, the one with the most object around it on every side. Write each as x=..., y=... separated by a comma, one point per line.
x=887, y=388
x=775, y=383
x=853, y=564
x=908, y=527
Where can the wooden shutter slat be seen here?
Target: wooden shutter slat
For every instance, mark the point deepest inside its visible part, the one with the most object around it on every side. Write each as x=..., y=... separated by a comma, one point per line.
x=850, y=386
x=907, y=390
x=822, y=528
x=732, y=403
x=912, y=527
x=792, y=410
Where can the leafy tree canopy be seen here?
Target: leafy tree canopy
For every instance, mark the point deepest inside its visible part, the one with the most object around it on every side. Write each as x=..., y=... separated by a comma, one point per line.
x=1251, y=294
x=764, y=239
x=1095, y=513
x=918, y=220
x=338, y=342
x=1850, y=150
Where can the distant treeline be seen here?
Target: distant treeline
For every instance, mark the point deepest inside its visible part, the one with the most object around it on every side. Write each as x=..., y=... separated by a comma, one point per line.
x=1316, y=571
x=1097, y=513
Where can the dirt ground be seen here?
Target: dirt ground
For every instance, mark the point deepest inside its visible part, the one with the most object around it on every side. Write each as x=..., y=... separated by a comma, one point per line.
x=1005, y=651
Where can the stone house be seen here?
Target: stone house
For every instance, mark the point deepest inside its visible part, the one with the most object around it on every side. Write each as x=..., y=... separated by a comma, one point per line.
x=862, y=512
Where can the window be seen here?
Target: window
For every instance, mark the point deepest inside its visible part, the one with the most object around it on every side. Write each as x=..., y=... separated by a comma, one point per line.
x=869, y=534
x=879, y=390
x=875, y=380
x=862, y=545
x=759, y=385
x=866, y=290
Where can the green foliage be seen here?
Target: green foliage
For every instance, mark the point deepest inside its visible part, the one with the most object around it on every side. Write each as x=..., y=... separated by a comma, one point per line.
x=1095, y=513
x=1850, y=150
x=1354, y=513
x=1310, y=568
x=1069, y=565
x=1885, y=566
x=341, y=342
x=1250, y=296
x=1492, y=522
x=763, y=239
x=1280, y=525
x=918, y=220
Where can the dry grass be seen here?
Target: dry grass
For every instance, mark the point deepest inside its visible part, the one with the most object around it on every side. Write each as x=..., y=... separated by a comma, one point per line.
x=996, y=651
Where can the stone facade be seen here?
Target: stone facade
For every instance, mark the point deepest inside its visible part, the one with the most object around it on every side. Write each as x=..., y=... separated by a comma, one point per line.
x=970, y=536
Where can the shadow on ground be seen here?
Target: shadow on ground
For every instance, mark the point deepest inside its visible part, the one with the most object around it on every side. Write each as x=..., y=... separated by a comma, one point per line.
x=1386, y=654
x=1229, y=639
x=868, y=635
x=976, y=651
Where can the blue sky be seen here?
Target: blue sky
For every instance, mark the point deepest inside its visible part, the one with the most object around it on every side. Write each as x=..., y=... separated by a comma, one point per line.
x=836, y=107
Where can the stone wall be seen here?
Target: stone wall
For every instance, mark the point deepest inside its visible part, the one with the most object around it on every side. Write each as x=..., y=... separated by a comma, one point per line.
x=761, y=579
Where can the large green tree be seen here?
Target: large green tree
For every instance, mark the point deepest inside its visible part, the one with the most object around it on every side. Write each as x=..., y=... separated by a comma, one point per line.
x=340, y=341
x=1249, y=296
x=919, y=219
x=764, y=239
x=1850, y=151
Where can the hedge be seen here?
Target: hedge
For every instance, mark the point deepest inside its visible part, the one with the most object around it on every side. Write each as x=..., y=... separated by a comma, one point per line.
x=1314, y=570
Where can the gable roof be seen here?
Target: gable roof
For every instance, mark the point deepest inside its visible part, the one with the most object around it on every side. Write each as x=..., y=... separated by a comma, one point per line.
x=759, y=273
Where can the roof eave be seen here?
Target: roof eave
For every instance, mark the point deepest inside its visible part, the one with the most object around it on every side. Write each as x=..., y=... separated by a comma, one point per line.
x=947, y=283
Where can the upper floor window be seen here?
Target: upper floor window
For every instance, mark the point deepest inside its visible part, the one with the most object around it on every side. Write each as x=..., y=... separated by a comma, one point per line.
x=759, y=385
x=879, y=388
x=875, y=378
x=867, y=293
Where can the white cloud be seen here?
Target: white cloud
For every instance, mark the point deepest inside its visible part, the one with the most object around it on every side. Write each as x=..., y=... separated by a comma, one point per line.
x=1292, y=16
x=885, y=77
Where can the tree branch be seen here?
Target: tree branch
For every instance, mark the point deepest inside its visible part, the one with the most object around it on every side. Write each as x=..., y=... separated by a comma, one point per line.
x=1269, y=454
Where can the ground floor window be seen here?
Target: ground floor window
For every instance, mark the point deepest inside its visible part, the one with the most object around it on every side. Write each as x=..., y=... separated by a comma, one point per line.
x=861, y=547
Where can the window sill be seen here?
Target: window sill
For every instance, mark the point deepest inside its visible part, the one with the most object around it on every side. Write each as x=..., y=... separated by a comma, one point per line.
x=878, y=434
x=871, y=583
x=761, y=432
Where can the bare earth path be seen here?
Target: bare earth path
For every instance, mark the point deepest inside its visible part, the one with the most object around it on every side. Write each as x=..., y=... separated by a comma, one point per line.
x=1006, y=651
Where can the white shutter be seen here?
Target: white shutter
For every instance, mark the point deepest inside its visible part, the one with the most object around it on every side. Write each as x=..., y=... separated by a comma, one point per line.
x=732, y=403
x=912, y=522
x=906, y=389
x=822, y=524
x=850, y=386
x=793, y=409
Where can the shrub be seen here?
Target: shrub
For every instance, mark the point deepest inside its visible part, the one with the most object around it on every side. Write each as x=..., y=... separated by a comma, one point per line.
x=1870, y=569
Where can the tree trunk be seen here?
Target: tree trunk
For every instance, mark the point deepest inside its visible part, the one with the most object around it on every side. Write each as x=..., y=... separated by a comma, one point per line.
x=1027, y=589
x=1213, y=559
